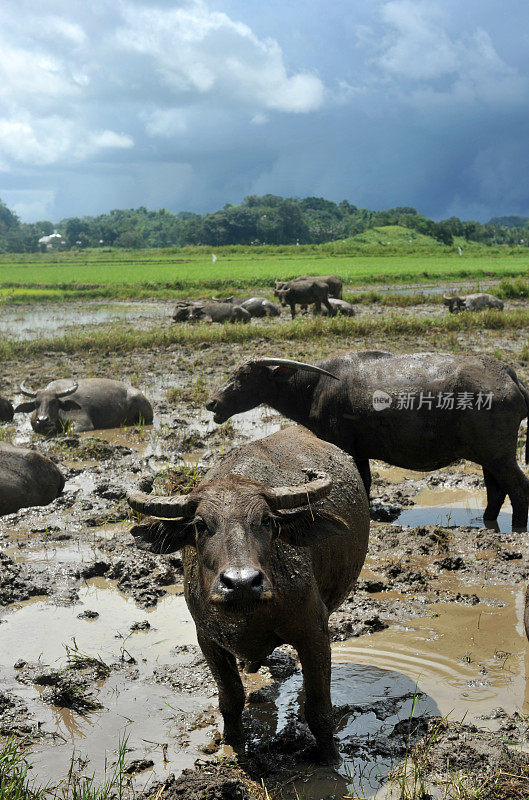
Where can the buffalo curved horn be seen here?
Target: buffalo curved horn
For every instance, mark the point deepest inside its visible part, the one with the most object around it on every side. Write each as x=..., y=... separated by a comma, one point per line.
x=287, y=362
x=317, y=488
x=159, y=506
x=71, y=389
x=27, y=392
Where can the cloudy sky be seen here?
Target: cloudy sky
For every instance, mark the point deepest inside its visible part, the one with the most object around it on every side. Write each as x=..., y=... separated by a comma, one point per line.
x=190, y=104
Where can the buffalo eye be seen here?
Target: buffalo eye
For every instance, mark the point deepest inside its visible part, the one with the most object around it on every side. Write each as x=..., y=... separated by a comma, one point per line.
x=267, y=521
x=201, y=527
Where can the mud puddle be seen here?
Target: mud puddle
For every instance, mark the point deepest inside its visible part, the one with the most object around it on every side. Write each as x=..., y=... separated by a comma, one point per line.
x=36, y=320
x=442, y=504
x=465, y=663
x=134, y=643
x=449, y=506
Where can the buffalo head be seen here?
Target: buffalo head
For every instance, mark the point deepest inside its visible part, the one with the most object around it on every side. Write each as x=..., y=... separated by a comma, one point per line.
x=454, y=303
x=46, y=405
x=254, y=383
x=232, y=523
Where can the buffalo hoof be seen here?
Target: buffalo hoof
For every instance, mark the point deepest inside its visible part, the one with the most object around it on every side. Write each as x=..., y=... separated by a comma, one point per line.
x=234, y=737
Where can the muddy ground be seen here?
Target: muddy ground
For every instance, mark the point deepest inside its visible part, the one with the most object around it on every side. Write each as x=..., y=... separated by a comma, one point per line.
x=96, y=642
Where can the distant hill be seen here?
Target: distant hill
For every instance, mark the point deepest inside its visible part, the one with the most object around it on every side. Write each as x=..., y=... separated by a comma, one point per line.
x=395, y=236
x=509, y=222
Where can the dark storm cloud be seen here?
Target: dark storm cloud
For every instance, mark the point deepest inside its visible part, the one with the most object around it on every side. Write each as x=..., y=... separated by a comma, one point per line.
x=192, y=104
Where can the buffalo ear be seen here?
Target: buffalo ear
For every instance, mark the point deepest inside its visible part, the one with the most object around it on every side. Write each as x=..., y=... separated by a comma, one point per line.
x=25, y=408
x=163, y=537
x=301, y=529
x=69, y=405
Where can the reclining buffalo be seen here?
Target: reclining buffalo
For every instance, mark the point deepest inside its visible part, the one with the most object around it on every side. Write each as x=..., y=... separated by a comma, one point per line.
x=472, y=302
x=88, y=404
x=267, y=557
x=6, y=410
x=304, y=293
x=257, y=306
x=210, y=311
x=340, y=307
x=420, y=411
x=27, y=478
x=260, y=307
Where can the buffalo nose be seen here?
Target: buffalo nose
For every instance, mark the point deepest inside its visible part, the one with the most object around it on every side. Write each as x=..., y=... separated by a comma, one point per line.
x=241, y=584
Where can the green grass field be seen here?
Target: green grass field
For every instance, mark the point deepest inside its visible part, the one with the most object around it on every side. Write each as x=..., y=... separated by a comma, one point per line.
x=193, y=268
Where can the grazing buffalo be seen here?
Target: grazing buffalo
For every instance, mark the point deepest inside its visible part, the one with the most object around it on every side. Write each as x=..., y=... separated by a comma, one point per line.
x=88, y=404
x=334, y=284
x=341, y=307
x=266, y=558
x=6, y=410
x=305, y=292
x=27, y=478
x=472, y=302
x=216, y=311
x=420, y=411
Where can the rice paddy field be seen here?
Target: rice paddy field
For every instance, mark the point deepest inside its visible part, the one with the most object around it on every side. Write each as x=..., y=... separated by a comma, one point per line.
x=192, y=268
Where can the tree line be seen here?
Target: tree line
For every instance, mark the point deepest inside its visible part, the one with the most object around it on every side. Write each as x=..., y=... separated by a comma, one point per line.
x=268, y=219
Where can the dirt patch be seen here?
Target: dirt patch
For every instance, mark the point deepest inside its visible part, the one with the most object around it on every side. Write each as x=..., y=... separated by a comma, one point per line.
x=208, y=782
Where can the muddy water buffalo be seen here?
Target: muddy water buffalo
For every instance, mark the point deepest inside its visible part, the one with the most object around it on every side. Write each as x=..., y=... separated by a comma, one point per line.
x=334, y=284
x=182, y=310
x=216, y=311
x=267, y=557
x=27, y=478
x=89, y=404
x=420, y=411
x=260, y=307
x=341, y=307
x=305, y=292
x=6, y=410
x=472, y=302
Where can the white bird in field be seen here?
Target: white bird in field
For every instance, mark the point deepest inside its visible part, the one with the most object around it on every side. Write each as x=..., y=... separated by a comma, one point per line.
x=213, y=257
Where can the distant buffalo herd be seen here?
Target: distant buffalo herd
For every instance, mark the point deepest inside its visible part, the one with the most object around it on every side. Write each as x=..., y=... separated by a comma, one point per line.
x=323, y=292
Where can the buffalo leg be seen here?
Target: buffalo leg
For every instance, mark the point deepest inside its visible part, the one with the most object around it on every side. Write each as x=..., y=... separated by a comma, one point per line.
x=511, y=478
x=317, y=307
x=293, y=310
x=315, y=655
x=365, y=473
x=330, y=309
x=223, y=667
x=495, y=495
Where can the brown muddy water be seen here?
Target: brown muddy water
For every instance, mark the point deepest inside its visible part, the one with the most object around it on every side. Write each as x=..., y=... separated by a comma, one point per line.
x=24, y=322
x=435, y=627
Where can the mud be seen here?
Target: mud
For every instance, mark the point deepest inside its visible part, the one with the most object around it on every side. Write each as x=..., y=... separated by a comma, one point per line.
x=434, y=625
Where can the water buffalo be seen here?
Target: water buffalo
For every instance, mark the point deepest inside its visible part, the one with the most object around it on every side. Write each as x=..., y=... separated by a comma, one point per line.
x=420, y=411
x=260, y=307
x=6, y=410
x=27, y=478
x=341, y=307
x=266, y=558
x=218, y=311
x=182, y=310
x=89, y=404
x=334, y=284
x=472, y=302
x=305, y=292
